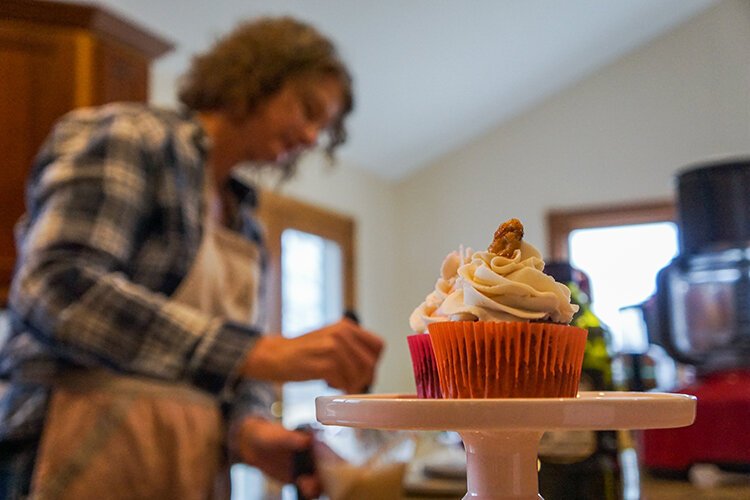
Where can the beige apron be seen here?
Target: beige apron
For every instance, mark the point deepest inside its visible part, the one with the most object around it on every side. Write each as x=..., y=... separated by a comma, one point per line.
x=109, y=436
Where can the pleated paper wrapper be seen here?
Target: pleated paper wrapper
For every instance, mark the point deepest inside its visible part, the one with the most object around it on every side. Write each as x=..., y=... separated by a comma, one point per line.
x=424, y=365
x=484, y=359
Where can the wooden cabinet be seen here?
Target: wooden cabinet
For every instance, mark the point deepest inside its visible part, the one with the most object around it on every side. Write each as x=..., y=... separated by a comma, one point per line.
x=55, y=57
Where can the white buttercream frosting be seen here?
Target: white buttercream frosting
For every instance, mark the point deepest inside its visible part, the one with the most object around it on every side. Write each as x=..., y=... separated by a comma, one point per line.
x=491, y=287
x=429, y=310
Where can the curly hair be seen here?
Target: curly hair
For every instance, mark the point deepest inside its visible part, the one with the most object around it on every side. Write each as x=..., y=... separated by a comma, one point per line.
x=255, y=60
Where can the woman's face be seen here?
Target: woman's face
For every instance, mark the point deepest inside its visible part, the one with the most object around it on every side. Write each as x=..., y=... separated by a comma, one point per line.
x=291, y=120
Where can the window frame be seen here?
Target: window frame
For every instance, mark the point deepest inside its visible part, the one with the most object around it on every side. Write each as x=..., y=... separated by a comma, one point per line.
x=278, y=213
x=561, y=222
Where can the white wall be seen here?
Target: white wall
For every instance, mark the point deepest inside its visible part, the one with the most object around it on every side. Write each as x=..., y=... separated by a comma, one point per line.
x=619, y=135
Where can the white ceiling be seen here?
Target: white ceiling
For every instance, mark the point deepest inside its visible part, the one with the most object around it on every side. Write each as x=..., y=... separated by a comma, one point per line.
x=432, y=75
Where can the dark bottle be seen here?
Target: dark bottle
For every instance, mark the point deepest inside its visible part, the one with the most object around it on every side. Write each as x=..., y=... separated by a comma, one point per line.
x=583, y=465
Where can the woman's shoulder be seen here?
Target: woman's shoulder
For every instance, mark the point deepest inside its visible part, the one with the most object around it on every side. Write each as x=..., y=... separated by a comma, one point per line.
x=141, y=117
x=152, y=128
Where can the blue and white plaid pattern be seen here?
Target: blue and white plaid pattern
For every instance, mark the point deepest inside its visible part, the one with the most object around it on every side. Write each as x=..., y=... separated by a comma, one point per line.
x=113, y=223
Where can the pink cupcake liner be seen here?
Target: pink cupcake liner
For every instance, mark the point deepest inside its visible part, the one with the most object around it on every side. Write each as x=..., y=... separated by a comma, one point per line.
x=424, y=365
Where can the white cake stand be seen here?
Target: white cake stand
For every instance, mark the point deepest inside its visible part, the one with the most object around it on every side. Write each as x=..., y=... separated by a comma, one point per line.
x=501, y=436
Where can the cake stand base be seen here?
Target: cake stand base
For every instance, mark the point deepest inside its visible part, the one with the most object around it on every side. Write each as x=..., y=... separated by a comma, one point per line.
x=501, y=464
x=501, y=436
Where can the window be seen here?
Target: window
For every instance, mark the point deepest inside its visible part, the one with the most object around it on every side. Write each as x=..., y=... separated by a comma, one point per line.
x=560, y=223
x=621, y=249
x=622, y=263
x=280, y=214
x=310, y=298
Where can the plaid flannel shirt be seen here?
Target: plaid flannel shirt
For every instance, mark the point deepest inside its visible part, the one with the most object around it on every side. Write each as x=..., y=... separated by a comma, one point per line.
x=113, y=222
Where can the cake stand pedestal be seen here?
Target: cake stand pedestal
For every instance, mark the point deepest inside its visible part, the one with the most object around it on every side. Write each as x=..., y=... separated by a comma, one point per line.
x=501, y=436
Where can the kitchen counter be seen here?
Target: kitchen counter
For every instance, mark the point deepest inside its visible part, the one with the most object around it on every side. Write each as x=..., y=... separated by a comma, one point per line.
x=642, y=486
x=651, y=489
x=665, y=489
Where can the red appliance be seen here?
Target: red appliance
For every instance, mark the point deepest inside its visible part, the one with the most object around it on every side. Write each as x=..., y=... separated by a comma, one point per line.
x=702, y=319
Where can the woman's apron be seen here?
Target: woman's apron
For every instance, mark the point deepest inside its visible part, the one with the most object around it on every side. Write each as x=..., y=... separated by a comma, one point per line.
x=123, y=437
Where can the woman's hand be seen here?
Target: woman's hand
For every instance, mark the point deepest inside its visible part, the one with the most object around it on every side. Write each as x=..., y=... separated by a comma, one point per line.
x=342, y=354
x=270, y=447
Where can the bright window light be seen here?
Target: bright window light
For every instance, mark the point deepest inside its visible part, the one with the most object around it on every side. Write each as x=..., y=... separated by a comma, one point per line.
x=311, y=288
x=622, y=263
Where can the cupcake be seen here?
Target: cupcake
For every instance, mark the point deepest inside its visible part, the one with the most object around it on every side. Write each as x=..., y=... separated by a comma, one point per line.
x=420, y=344
x=502, y=330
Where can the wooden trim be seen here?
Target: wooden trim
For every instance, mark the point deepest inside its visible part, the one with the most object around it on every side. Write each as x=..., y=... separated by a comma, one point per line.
x=91, y=17
x=278, y=213
x=84, y=70
x=561, y=222
x=6, y=266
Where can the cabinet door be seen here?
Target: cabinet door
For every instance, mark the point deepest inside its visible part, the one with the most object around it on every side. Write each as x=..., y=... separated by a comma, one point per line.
x=36, y=88
x=121, y=73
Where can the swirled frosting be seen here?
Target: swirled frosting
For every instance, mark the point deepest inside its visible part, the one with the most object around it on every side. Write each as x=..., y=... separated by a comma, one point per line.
x=490, y=287
x=430, y=311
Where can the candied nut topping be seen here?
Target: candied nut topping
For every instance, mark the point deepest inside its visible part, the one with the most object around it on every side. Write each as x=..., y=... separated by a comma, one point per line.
x=507, y=238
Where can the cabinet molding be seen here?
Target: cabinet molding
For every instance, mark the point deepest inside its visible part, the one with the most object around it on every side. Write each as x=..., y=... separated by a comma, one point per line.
x=56, y=57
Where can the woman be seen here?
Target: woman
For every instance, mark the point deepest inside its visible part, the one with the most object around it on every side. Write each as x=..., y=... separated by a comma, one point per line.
x=134, y=307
